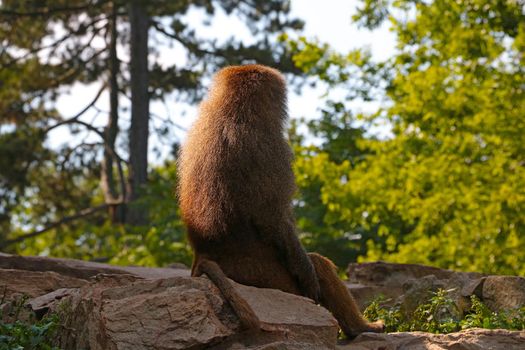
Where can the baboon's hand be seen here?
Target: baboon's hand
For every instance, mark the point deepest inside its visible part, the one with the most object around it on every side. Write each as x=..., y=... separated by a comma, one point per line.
x=308, y=281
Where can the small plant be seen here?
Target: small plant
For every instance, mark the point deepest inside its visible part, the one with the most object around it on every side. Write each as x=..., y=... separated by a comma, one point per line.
x=440, y=315
x=391, y=316
x=23, y=336
x=480, y=316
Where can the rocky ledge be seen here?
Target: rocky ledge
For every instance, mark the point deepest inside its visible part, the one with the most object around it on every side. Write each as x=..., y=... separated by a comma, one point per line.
x=470, y=339
x=102, y=306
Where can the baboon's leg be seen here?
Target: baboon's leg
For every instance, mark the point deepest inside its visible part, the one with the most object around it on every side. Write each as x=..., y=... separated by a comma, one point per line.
x=214, y=272
x=336, y=297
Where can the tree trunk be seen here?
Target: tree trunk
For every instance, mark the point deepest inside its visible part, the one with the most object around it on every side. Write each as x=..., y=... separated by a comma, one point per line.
x=139, y=132
x=108, y=183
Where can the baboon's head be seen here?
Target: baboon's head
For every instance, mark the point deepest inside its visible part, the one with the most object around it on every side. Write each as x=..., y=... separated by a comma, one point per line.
x=250, y=91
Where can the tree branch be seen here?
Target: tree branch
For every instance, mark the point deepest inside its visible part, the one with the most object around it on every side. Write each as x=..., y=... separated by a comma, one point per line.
x=79, y=114
x=75, y=70
x=79, y=215
x=46, y=11
x=56, y=43
x=189, y=45
x=72, y=150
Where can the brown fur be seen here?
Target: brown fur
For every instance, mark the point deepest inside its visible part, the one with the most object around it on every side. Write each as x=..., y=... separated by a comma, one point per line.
x=235, y=190
x=246, y=315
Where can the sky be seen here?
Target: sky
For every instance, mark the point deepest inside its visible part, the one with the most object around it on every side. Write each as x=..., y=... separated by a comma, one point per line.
x=328, y=21
x=331, y=21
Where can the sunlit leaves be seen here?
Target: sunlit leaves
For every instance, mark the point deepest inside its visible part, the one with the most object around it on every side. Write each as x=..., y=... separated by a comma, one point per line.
x=448, y=188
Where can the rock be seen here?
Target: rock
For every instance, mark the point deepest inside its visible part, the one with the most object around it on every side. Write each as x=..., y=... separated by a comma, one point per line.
x=364, y=295
x=16, y=286
x=22, y=277
x=388, y=274
x=368, y=281
x=472, y=339
x=420, y=291
x=417, y=291
x=111, y=307
x=504, y=292
x=14, y=283
x=84, y=269
x=410, y=285
x=182, y=313
x=41, y=305
x=298, y=317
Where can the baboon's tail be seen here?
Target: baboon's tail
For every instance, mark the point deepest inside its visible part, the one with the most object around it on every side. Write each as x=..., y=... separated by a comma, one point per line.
x=243, y=310
x=336, y=297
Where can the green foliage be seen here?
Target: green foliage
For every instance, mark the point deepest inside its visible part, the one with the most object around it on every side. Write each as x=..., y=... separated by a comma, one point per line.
x=440, y=315
x=392, y=317
x=447, y=188
x=481, y=317
x=25, y=336
x=159, y=244
x=164, y=241
x=437, y=316
x=321, y=231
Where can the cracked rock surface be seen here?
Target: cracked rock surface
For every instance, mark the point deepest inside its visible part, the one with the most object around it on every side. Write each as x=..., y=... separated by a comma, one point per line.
x=113, y=307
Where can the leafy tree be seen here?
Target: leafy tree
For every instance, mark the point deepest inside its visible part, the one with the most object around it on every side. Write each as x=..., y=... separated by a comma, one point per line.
x=447, y=188
x=318, y=175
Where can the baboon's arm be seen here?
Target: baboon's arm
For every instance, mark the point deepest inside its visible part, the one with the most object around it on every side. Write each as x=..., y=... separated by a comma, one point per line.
x=297, y=261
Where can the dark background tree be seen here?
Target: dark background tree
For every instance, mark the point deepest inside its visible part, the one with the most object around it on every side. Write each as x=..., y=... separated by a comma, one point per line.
x=49, y=47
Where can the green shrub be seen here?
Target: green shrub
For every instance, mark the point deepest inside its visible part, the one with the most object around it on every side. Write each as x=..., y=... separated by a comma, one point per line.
x=440, y=315
x=482, y=317
x=24, y=336
x=391, y=316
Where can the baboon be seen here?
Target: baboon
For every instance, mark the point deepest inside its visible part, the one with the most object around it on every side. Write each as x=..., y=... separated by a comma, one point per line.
x=235, y=190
